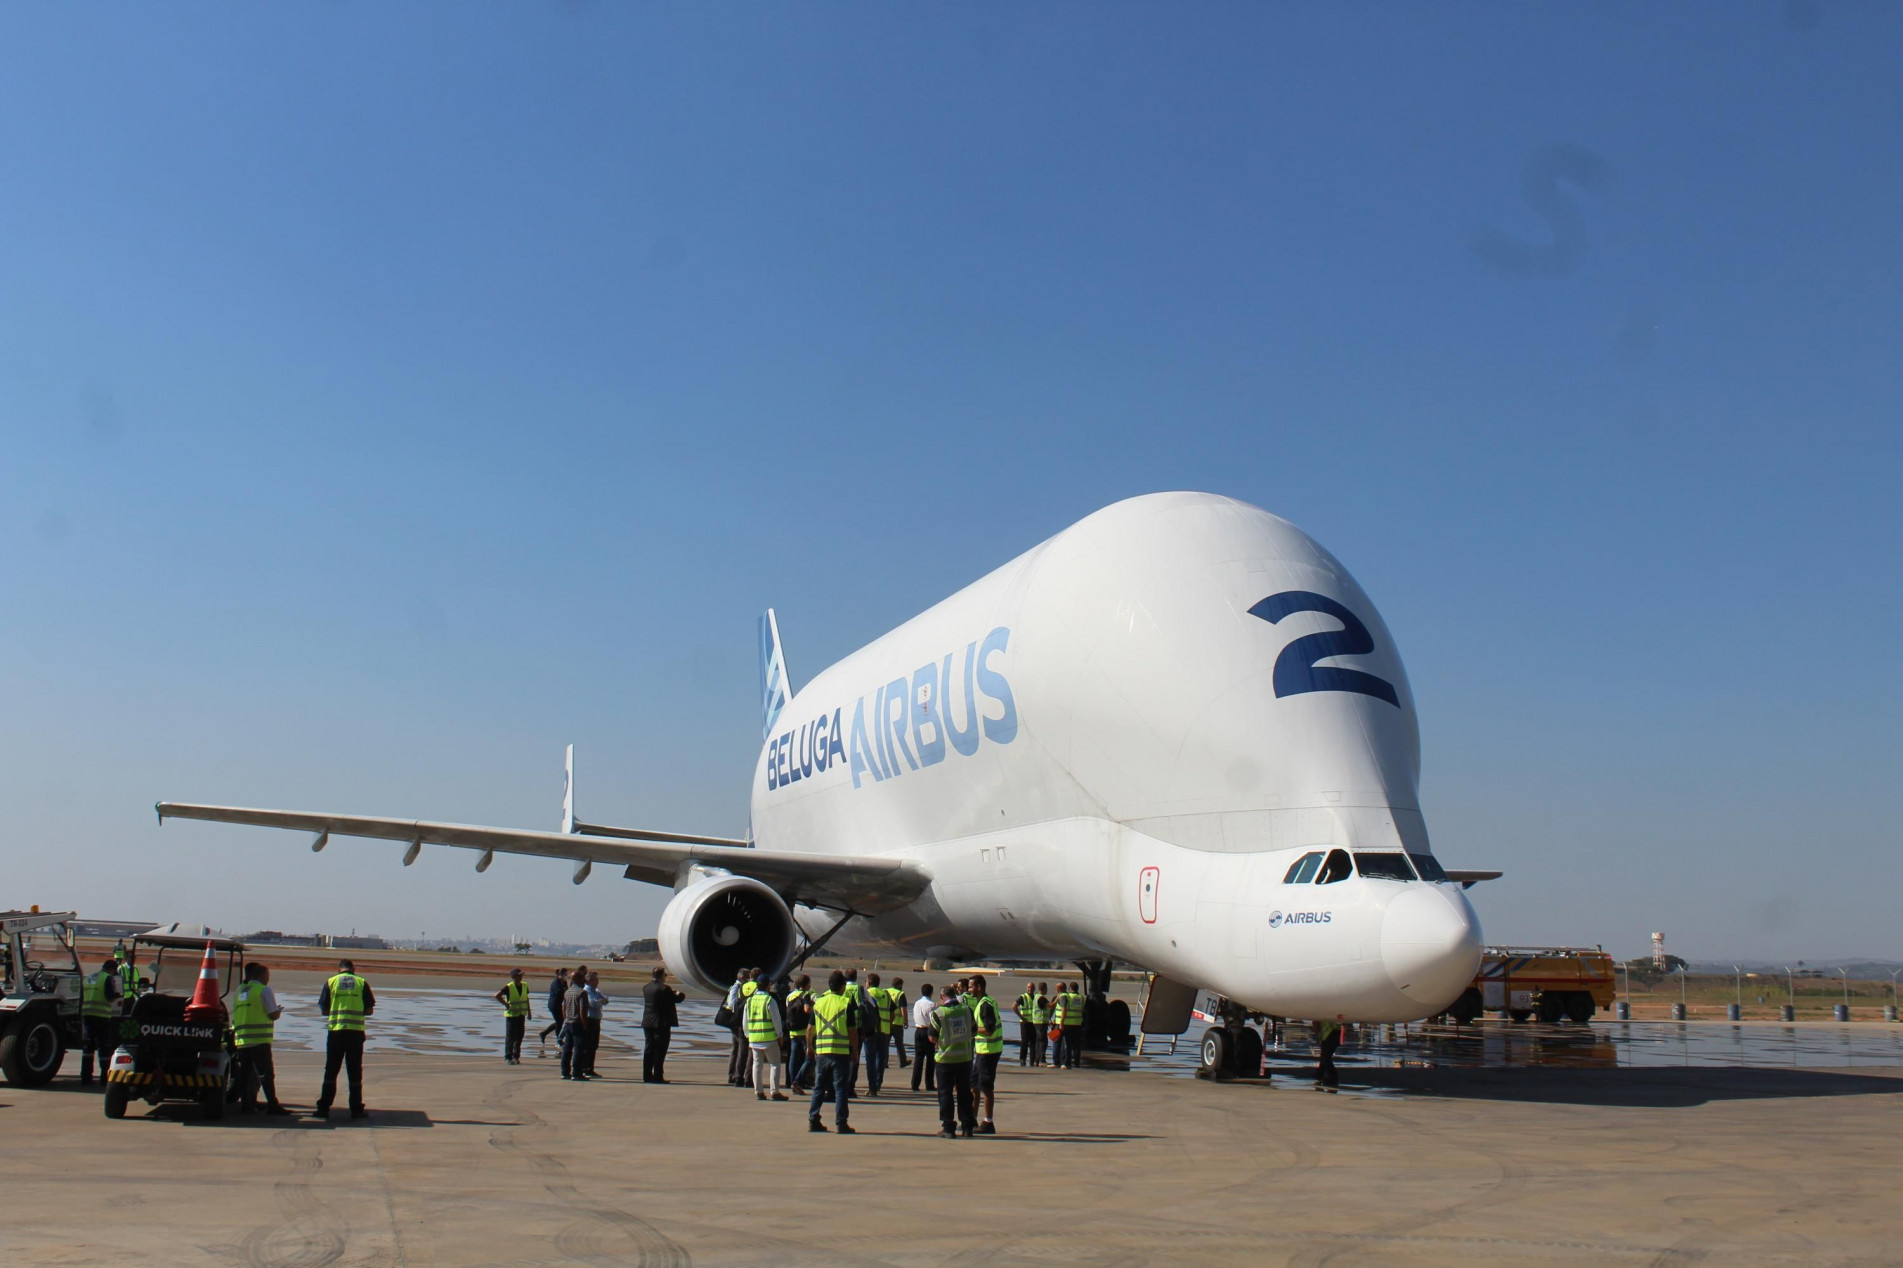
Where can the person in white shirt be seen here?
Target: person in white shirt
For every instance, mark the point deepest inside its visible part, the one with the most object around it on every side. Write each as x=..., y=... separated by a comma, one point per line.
x=765, y=1029
x=922, y=1063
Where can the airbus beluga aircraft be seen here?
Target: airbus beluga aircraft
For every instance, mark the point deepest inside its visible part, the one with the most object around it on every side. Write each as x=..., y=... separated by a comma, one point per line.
x=1176, y=735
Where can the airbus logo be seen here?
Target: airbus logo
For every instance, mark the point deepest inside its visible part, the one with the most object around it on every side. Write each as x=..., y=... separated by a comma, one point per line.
x=1277, y=919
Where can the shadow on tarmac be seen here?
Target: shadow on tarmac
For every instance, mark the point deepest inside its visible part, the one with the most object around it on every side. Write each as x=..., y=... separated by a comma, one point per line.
x=1642, y=1087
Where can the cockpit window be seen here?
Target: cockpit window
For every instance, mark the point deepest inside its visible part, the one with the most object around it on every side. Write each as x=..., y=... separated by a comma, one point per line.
x=1429, y=867
x=1302, y=870
x=1337, y=868
x=1383, y=866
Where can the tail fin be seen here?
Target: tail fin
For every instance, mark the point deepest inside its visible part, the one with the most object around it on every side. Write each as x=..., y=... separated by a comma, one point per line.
x=568, y=791
x=772, y=674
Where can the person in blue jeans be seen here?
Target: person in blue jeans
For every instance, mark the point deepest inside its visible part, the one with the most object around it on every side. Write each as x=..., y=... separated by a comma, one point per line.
x=575, y=1026
x=799, y=1015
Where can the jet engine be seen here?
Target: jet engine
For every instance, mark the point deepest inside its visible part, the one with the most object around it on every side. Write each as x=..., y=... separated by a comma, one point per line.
x=721, y=924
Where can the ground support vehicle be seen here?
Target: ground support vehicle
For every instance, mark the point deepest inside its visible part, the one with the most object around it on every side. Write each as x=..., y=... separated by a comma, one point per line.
x=40, y=1003
x=161, y=1055
x=1552, y=983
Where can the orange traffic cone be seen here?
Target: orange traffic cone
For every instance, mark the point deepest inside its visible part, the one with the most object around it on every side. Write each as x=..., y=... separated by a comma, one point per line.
x=205, y=1005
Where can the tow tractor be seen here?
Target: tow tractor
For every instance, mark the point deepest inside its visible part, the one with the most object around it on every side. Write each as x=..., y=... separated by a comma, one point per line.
x=161, y=1055
x=40, y=1007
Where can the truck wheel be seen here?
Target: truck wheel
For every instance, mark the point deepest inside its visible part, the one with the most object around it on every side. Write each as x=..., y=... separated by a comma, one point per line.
x=1215, y=1054
x=1552, y=1007
x=1581, y=1007
x=31, y=1052
x=1467, y=1009
x=213, y=1102
x=1519, y=1014
x=1248, y=1046
x=116, y=1097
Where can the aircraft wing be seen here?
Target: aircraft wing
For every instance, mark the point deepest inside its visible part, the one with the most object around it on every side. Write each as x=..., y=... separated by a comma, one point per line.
x=865, y=884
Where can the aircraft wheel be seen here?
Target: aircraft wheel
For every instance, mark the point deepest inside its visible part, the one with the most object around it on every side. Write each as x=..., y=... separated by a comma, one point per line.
x=1581, y=1007
x=1116, y=1023
x=1519, y=1014
x=1215, y=1054
x=1248, y=1053
x=31, y=1052
x=1552, y=1006
x=116, y=1097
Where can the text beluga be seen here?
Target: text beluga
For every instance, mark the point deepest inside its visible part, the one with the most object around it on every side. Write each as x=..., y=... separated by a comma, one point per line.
x=944, y=708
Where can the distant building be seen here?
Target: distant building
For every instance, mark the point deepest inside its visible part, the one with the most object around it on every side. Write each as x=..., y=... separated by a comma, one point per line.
x=111, y=928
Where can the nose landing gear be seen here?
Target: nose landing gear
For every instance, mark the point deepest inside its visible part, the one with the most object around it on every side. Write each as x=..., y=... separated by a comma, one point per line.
x=1231, y=1049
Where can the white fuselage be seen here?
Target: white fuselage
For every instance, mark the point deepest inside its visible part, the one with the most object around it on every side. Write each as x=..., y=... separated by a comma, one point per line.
x=1101, y=750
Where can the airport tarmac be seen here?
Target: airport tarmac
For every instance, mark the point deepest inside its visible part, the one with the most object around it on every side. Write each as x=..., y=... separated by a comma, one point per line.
x=467, y=1161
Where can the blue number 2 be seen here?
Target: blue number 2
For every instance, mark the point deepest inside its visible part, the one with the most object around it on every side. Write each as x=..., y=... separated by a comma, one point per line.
x=1296, y=670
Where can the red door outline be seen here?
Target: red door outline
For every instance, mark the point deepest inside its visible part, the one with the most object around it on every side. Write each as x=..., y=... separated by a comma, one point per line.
x=1149, y=880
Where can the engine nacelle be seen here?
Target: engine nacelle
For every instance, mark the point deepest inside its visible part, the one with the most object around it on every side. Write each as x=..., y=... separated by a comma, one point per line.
x=721, y=924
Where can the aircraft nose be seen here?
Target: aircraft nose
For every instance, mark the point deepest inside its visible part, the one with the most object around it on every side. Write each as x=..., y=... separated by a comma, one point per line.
x=1430, y=943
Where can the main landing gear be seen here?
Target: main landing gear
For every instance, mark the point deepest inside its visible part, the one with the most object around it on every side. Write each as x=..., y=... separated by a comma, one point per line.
x=1106, y=1020
x=1231, y=1049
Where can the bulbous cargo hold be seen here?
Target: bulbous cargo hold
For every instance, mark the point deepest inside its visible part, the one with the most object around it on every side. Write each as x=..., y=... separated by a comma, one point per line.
x=1120, y=743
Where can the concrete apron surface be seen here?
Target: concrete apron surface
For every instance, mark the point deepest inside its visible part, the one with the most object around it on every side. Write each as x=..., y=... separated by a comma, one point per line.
x=467, y=1161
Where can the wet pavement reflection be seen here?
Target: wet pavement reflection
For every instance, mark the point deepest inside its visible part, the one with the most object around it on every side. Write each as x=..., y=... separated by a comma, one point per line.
x=470, y=1023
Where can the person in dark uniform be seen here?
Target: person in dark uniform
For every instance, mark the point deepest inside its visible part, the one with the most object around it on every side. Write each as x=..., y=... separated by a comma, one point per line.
x=557, y=991
x=345, y=1001
x=1329, y=1035
x=658, y=1019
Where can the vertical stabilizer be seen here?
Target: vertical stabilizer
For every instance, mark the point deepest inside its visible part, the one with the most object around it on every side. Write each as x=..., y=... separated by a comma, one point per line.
x=568, y=791
x=772, y=674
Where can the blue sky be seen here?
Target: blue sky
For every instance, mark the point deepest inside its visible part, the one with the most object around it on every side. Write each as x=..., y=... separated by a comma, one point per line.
x=390, y=395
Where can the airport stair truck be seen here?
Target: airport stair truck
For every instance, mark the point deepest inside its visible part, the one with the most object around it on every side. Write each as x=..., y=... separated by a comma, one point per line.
x=40, y=1009
x=1552, y=983
x=172, y=1048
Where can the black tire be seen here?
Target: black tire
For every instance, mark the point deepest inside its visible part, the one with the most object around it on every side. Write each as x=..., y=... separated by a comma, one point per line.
x=31, y=1051
x=1466, y=1010
x=213, y=1103
x=1581, y=1007
x=1217, y=1060
x=1116, y=1024
x=1248, y=1046
x=1519, y=1014
x=1552, y=1006
x=116, y=1098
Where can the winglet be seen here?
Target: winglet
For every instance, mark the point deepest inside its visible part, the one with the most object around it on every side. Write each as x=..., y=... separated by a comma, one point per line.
x=568, y=792
x=772, y=674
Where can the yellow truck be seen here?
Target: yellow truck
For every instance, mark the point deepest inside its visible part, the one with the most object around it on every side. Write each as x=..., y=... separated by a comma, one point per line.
x=1552, y=983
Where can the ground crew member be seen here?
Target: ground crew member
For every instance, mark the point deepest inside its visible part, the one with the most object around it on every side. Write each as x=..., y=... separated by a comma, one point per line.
x=1329, y=1035
x=952, y=1052
x=514, y=998
x=344, y=1002
x=799, y=1016
x=658, y=1019
x=254, y=1015
x=922, y=1040
x=765, y=1030
x=876, y=1039
x=832, y=1039
x=1041, y=1015
x=1026, y=1009
x=987, y=1043
x=738, y=1057
x=98, y=993
x=895, y=1005
x=595, y=1001
x=863, y=1003
x=575, y=1025
x=131, y=980
x=557, y=991
x=1069, y=1016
